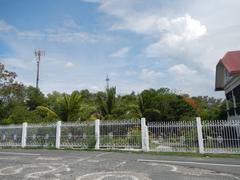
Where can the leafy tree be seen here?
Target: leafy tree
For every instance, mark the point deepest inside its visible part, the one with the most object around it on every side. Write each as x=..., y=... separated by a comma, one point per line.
x=9, y=87
x=127, y=107
x=54, y=102
x=11, y=92
x=34, y=98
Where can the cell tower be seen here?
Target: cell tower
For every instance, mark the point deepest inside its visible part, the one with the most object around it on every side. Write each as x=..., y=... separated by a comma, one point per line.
x=38, y=54
x=107, y=81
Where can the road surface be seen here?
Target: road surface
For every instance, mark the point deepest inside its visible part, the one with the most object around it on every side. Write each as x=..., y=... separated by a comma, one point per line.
x=99, y=165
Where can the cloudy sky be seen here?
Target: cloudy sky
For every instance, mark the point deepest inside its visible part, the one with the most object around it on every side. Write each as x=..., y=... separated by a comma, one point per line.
x=140, y=44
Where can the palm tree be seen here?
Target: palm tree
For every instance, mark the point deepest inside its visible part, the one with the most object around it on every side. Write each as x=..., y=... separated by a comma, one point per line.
x=70, y=108
x=106, y=104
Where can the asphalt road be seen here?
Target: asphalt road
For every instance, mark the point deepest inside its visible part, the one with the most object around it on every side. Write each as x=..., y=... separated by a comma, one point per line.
x=97, y=165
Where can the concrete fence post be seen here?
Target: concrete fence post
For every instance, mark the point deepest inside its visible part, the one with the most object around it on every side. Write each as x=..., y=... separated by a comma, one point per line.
x=144, y=135
x=58, y=134
x=97, y=134
x=147, y=138
x=200, y=135
x=24, y=135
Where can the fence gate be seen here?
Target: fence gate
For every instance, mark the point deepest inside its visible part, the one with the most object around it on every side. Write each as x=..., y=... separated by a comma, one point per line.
x=173, y=136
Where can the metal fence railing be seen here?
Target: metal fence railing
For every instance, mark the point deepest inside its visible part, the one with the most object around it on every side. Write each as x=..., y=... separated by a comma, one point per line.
x=10, y=135
x=79, y=135
x=41, y=135
x=173, y=136
x=120, y=134
x=222, y=136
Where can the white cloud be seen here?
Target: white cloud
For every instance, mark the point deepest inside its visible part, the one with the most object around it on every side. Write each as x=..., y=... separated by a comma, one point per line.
x=179, y=36
x=17, y=62
x=4, y=27
x=120, y=53
x=30, y=35
x=69, y=65
x=69, y=33
x=150, y=75
x=7, y=28
x=172, y=35
x=173, y=30
x=92, y=1
x=130, y=72
x=70, y=23
x=181, y=70
x=66, y=37
x=94, y=88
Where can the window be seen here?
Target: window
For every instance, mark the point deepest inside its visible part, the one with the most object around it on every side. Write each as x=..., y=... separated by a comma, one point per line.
x=227, y=76
x=230, y=109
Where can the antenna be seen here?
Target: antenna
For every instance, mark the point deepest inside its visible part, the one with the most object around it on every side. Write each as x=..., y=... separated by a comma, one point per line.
x=38, y=53
x=107, y=81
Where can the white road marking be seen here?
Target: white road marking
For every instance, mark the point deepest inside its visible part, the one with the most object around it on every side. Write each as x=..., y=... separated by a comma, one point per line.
x=120, y=164
x=54, y=167
x=188, y=162
x=102, y=154
x=193, y=171
x=174, y=168
x=10, y=168
x=50, y=168
x=114, y=174
x=23, y=154
x=8, y=158
x=93, y=161
x=117, y=176
x=48, y=158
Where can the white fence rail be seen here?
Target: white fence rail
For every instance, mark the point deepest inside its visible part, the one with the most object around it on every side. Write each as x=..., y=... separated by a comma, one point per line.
x=221, y=136
x=120, y=134
x=10, y=135
x=173, y=136
x=185, y=136
x=80, y=135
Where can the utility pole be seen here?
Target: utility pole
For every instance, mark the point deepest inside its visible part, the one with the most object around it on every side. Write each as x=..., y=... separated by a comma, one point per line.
x=107, y=81
x=38, y=53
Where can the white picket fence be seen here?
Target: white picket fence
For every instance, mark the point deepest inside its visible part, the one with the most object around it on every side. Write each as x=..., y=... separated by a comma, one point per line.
x=184, y=136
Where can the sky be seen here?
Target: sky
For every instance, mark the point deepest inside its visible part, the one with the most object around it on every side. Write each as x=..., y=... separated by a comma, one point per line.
x=140, y=44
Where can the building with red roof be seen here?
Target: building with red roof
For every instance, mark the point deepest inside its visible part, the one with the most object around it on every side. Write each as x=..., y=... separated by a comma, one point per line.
x=228, y=80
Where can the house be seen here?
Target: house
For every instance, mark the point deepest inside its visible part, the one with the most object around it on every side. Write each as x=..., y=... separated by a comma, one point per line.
x=228, y=80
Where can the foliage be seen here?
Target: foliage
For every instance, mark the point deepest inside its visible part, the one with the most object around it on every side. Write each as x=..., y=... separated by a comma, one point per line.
x=34, y=98
x=71, y=106
x=19, y=103
x=107, y=102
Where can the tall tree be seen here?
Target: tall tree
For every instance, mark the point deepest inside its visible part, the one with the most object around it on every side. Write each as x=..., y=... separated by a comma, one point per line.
x=107, y=102
x=34, y=98
x=71, y=106
x=11, y=92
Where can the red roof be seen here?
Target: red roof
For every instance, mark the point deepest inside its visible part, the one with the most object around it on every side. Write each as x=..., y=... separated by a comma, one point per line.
x=231, y=61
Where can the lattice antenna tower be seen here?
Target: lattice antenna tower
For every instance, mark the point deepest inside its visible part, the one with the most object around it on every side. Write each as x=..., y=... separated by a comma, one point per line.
x=107, y=81
x=38, y=54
